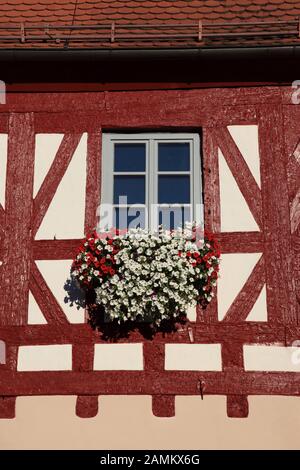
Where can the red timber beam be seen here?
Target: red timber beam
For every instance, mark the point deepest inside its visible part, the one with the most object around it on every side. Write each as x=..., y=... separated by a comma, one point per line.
x=93, y=178
x=83, y=354
x=82, y=334
x=212, y=211
x=17, y=235
x=163, y=405
x=241, y=242
x=230, y=242
x=233, y=362
x=232, y=351
x=55, y=249
x=281, y=296
x=166, y=383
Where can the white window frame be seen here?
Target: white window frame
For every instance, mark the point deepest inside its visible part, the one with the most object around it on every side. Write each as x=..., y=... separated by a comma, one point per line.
x=152, y=139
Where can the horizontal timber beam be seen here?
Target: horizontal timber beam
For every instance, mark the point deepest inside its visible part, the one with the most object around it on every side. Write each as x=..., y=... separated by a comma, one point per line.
x=230, y=242
x=247, y=332
x=55, y=249
x=148, y=383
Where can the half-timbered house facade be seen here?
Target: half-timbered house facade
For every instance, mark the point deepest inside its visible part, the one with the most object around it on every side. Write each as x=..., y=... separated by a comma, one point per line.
x=216, y=76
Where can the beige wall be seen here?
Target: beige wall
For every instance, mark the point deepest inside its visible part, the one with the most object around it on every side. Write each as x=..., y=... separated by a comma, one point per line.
x=127, y=422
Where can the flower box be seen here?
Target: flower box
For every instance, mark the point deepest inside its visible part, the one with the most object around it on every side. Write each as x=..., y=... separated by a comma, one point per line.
x=147, y=280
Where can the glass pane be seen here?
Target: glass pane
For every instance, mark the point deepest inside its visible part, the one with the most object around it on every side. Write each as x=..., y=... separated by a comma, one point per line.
x=129, y=190
x=129, y=218
x=130, y=157
x=175, y=217
x=174, y=189
x=174, y=157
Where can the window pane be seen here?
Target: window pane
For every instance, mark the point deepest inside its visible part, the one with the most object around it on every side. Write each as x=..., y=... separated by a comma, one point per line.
x=130, y=187
x=175, y=217
x=129, y=218
x=130, y=157
x=173, y=189
x=173, y=156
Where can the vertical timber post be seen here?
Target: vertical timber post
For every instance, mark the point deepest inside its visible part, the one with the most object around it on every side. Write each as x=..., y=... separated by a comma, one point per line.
x=17, y=236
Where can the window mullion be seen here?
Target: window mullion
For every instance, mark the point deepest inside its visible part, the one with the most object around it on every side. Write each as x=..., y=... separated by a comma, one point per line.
x=152, y=184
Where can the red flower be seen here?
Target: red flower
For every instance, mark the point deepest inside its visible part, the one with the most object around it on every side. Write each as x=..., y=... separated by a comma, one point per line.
x=80, y=250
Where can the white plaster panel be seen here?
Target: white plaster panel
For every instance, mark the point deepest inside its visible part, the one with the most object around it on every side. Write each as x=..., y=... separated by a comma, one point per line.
x=118, y=357
x=193, y=357
x=272, y=358
x=34, y=358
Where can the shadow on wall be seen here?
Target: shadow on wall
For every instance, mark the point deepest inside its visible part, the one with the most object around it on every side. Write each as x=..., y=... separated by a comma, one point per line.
x=75, y=295
x=112, y=330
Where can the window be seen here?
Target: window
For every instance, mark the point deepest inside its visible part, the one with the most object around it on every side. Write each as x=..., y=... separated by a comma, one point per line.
x=150, y=179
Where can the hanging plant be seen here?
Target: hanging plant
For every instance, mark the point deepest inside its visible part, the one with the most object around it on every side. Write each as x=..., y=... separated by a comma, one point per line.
x=139, y=276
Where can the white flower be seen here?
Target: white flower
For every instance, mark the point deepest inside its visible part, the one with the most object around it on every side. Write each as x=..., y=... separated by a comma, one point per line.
x=150, y=283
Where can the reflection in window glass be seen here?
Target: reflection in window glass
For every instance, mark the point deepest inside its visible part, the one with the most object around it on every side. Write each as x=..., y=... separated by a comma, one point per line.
x=173, y=217
x=130, y=157
x=174, y=189
x=130, y=187
x=174, y=156
x=126, y=218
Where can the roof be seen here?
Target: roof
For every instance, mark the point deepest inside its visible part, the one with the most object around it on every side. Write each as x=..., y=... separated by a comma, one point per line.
x=106, y=24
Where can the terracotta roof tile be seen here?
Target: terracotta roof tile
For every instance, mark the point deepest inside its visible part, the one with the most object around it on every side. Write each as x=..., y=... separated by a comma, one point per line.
x=99, y=12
